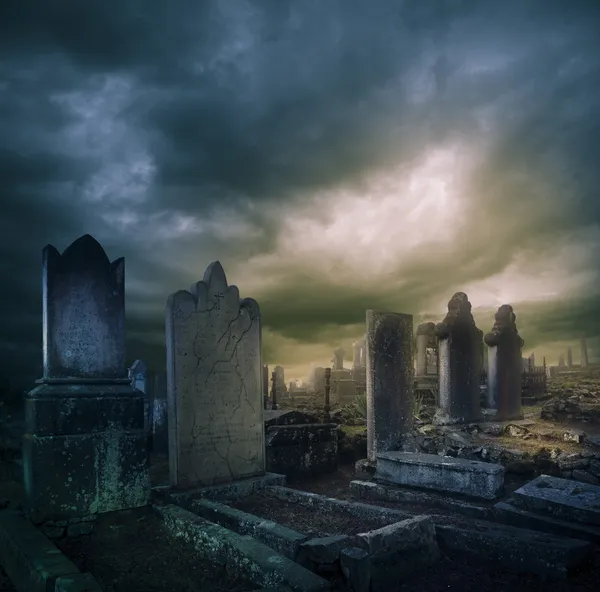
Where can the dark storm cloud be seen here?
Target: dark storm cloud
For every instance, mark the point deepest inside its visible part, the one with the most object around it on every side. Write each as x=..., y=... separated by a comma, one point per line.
x=238, y=102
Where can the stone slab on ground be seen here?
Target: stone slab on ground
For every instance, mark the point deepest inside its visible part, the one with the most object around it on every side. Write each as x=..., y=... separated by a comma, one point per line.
x=236, y=489
x=563, y=498
x=241, y=554
x=83, y=582
x=284, y=540
x=507, y=513
x=30, y=560
x=369, y=490
x=515, y=549
x=441, y=473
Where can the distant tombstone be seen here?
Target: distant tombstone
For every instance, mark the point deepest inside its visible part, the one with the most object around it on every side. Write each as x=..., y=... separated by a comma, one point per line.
x=338, y=359
x=389, y=381
x=584, y=352
x=561, y=361
x=138, y=375
x=84, y=444
x=460, y=358
x=505, y=383
x=425, y=336
x=159, y=414
x=569, y=357
x=214, y=375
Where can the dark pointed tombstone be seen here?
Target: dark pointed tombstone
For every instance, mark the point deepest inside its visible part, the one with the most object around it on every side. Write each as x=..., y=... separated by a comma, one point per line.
x=84, y=447
x=505, y=383
x=460, y=361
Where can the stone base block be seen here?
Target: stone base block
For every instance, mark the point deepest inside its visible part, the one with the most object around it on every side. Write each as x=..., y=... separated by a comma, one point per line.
x=441, y=473
x=565, y=499
x=79, y=475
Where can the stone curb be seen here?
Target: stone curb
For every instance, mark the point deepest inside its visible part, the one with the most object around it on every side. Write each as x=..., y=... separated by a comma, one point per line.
x=241, y=554
x=284, y=540
x=358, y=509
x=33, y=563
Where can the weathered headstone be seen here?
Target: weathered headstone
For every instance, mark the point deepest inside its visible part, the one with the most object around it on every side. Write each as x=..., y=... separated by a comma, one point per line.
x=459, y=349
x=584, y=352
x=561, y=361
x=505, y=383
x=425, y=335
x=569, y=357
x=214, y=375
x=389, y=381
x=138, y=375
x=159, y=414
x=84, y=447
x=338, y=358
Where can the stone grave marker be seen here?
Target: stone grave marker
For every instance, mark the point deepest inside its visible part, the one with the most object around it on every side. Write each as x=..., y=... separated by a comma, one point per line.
x=214, y=378
x=84, y=446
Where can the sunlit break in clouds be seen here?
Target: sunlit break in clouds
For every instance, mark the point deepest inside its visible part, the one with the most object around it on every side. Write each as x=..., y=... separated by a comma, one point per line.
x=334, y=156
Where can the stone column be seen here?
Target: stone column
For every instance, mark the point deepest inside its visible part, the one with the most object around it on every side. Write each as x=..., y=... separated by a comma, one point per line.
x=584, y=352
x=138, y=375
x=389, y=381
x=338, y=359
x=425, y=332
x=561, y=361
x=84, y=444
x=504, y=387
x=459, y=357
x=569, y=357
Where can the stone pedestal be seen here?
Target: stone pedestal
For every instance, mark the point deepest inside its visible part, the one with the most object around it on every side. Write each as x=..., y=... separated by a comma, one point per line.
x=389, y=380
x=84, y=450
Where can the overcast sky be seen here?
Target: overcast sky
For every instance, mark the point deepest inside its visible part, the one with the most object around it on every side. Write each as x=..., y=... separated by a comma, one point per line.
x=334, y=155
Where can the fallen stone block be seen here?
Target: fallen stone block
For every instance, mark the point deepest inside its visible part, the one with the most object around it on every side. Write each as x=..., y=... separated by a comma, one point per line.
x=399, y=550
x=83, y=582
x=322, y=554
x=441, y=473
x=278, y=537
x=240, y=554
x=355, y=564
x=510, y=514
x=563, y=498
x=515, y=549
x=30, y=560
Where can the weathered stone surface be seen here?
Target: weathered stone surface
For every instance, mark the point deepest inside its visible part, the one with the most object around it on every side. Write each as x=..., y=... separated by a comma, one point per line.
x=214, y=383
x=585, y=476
x=399, y=550
x=84, y=313
x=278, y=537
x=241, y=554
x=442, y=473
x=355, y=564
x=322, y=554
x=31, y=561
x=562, y=498
x=516, y=549
x=460, y=355
x=389, y=380
x=508, y=513
x=83, y=582
x=504, y=378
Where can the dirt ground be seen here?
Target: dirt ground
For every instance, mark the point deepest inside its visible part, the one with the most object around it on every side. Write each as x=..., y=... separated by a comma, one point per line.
x=131, y=552
x=306, y=519
x=5, y=583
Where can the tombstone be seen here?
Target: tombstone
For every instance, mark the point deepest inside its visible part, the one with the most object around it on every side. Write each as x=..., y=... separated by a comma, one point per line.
x=389, y=381
x=561, y=361
x=459, y=357
x=425, y=335
x=319, y=379
x=84, y=445
x=159, y=414
x=584, y=352
x=214, y=378
x=356, y=351
x=532, y=361
x=281, y=390
x=265, y=385
x=138, y=375
x=569, y=357
x=338, y=359
x=504, y=388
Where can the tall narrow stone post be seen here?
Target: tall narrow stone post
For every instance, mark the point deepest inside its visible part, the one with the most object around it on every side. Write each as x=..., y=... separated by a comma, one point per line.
x=425, y=333
x=389, y=381
x=584, y=352
x=84, y=446
x=569, y=357
x=460, y=359
x=327, y=409
x=265, y=385
x=504, y=389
